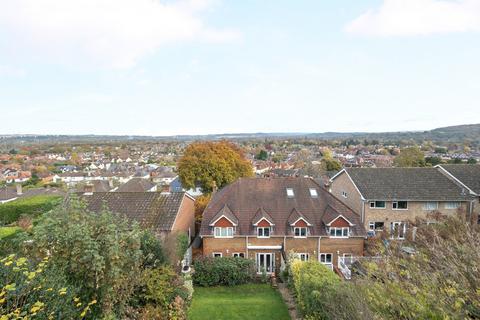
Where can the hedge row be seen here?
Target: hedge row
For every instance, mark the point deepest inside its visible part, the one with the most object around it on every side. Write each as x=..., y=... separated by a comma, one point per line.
x=227, y=271
x=33, y=206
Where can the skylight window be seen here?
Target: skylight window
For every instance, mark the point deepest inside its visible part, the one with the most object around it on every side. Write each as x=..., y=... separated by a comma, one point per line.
x=313, y=193
x=290, y=193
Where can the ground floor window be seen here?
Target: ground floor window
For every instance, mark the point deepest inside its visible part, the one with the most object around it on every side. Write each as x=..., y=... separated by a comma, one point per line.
x=217, y=254
x=238, y=255
x=302, y=256
x=398, y=230
x=326, y=259
x=265, y=262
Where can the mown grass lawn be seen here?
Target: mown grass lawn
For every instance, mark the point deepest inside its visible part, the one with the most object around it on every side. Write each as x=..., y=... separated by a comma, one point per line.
x=250, y=301
x=8, y=231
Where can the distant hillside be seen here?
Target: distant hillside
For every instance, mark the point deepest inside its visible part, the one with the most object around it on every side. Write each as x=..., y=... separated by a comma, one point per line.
x=452, y=134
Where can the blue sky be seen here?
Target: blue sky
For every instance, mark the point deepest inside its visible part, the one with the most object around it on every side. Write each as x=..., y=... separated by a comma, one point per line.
x=193, y=67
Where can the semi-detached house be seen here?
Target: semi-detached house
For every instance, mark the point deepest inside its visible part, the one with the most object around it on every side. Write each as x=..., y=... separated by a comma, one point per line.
x=390, y=198
x=265, y=219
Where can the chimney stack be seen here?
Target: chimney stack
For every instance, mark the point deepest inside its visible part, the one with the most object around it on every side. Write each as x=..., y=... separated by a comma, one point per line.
x=19, y=189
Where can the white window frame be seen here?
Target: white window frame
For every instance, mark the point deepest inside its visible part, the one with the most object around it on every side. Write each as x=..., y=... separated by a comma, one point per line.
x=325, y=255
x=393, y=224
x=375, y=205
x=290, y=193
x=395, y=203
x=344, y=232
x=303, y=256
x=300, y=232
x=452, y=205
x=371, y=225
x=263, y=232
x=426, y=205
x=313, y=193
x=220, y=232
x=237, y=254
x=215, y=254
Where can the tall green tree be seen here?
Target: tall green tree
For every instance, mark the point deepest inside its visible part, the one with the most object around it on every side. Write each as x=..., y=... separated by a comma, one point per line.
x=210, y=164
x=410, y=157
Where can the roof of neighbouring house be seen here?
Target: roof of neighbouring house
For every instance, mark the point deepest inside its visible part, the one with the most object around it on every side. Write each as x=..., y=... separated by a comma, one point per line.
x=150, y=209
x=246, y=196
x=421, y=184
x=468, y=174
x=136, y=185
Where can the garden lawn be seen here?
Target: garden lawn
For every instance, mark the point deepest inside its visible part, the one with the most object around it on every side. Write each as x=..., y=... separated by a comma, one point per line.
x=8, y=231
x=248, y=301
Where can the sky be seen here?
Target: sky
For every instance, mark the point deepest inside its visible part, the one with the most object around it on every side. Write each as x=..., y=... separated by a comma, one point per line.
x=151, y=67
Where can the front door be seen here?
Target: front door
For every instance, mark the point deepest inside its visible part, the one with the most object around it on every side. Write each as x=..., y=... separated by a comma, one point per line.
x=265, y=262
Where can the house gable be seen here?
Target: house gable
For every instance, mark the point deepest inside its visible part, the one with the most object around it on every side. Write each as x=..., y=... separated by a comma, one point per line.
x=223, y=222
x=339, y=221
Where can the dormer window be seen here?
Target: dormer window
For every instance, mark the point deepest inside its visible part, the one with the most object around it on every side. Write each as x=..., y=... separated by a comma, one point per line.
x=263, y=232
x=290, y=193
x=223, y=232
x=339, y=232
x=313, y=193
x=300, y=232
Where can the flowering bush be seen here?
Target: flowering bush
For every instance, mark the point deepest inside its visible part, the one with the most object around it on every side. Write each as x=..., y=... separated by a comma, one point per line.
x=36, y=290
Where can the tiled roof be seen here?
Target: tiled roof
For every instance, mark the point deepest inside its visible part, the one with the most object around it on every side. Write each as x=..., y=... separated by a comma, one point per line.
x=225, y=212
x=468, y=174
x=421, y=184
x=247, y=195
x=136, y=185
x=262, y=214
x=150, y=209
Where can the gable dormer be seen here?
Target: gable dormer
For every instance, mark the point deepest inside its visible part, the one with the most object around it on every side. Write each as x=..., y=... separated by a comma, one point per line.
x=299, y=224
x=224, y=223
x=338, y=226
x=263, y=223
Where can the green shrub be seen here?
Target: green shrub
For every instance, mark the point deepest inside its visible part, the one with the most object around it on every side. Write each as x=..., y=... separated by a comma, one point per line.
x=226, y=271
x=36, y=290
x=322, y=295
x=152, y=249
x=33, y=206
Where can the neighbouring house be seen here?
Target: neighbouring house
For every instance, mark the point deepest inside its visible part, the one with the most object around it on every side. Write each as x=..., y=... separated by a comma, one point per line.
x=468, y=176
x=176, y=186
x=8, y=193
x=163, y=213
x=137, y=185
x=390, y=198
x=95, y=186
x=265, y=219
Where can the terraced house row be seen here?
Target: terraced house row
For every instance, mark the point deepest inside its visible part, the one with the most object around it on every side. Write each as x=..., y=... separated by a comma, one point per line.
x=267, y=219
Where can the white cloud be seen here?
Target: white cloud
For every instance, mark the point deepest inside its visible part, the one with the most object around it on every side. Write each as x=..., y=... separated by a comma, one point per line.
x=418, y=17
x=112, y=33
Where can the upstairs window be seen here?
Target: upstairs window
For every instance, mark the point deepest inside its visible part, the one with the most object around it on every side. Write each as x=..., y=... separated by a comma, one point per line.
x=339, y=232
x=313, y=193
x=399, y=205
x=263, y=232
x=223, y=232
x=300, y=232
x=377, y=204
x=290, y=193
x=431, y=205
x=452, y=205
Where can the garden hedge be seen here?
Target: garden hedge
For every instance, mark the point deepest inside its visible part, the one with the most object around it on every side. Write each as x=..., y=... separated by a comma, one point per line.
x=33, y=206
x=227, y=271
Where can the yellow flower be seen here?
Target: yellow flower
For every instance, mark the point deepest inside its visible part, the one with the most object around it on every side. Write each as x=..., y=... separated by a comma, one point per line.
x=62, y=291
x=76, y=299
x=8, y=263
